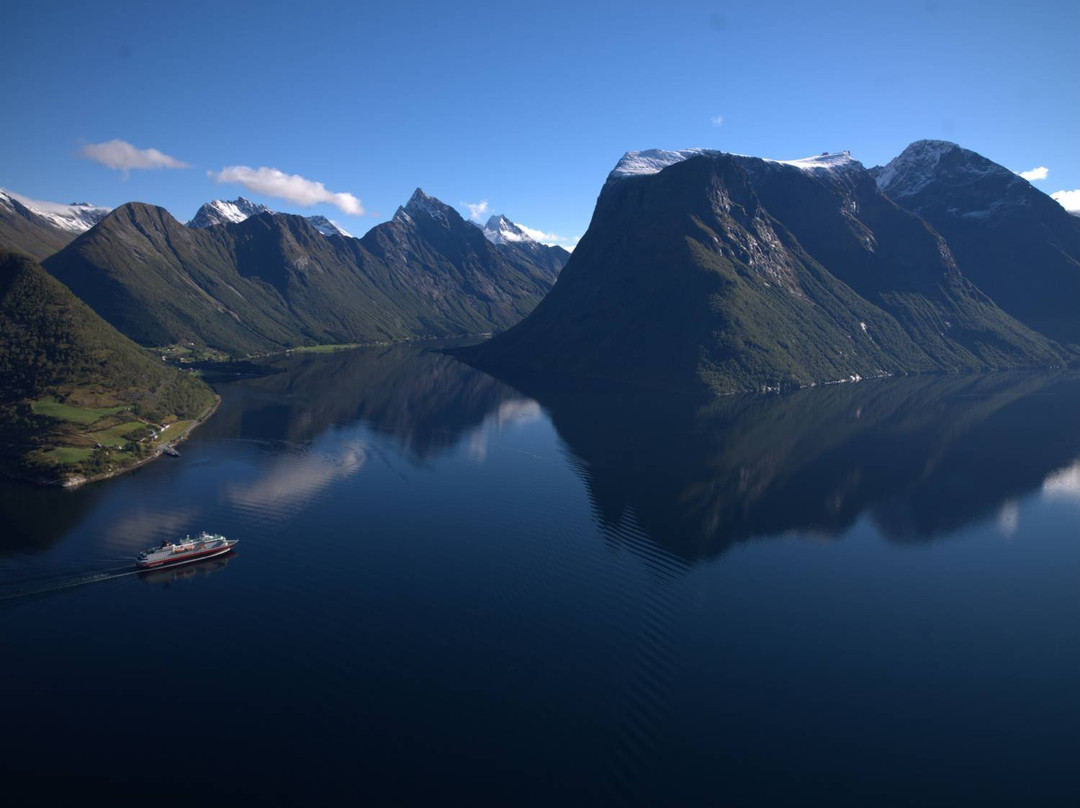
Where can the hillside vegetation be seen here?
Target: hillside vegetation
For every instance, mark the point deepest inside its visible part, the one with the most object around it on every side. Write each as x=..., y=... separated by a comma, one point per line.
x=274, y=282
x=77, y=398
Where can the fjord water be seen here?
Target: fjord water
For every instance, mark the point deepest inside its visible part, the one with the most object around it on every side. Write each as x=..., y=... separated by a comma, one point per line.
x=447, y=587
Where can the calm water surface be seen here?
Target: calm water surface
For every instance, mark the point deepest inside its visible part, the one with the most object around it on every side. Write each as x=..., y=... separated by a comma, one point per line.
x=451, y=589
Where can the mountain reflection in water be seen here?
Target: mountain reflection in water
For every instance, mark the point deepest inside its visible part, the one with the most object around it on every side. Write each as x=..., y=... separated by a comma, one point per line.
x=922, y=456
x=424, y=399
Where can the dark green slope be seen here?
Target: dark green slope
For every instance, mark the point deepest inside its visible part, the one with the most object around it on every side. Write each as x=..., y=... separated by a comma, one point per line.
x=161, y=283
x=273, y=281
x=55, y=351
x=685, y=280
x=224, y=287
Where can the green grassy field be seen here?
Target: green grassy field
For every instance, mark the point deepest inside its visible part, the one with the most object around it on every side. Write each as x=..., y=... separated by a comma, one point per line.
x=172, y=432
x=66, y=455
x=115, y=436
x=77, y=415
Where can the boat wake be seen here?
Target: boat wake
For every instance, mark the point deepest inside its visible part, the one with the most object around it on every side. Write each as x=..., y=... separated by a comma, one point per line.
x=25, y=589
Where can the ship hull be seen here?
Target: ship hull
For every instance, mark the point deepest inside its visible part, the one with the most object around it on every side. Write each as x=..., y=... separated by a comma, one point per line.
x=186, y=558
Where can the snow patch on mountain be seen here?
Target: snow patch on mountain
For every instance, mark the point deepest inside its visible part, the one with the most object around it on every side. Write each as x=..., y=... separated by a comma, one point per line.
x=327, y=227
x=78, y=217
x=913, y=169
x=501, y=231
x=826, y=161
x=652, y=161
x=221, y=211
x=926, y=161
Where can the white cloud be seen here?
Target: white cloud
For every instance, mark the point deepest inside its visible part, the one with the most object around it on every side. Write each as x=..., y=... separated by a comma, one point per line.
x=1035, y=174
x=550, y=239
x=1063, y=483
x=294, y=481
x=1008, y=519
x=477, y=210
x=1070, y=200
x=291, y=187
x=717, y=120
x=121, y=155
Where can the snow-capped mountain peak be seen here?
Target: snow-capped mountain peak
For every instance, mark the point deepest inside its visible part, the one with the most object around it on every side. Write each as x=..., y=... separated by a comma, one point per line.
x=328, y=227
x=500, y=230
x=911, y=170
x=220, y=211
x=925, y=161
x=77, y=217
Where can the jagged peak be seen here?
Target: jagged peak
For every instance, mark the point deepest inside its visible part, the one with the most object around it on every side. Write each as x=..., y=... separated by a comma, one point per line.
x=422, y=204
x=220, y=211
x=419, y=197
x=500, y=230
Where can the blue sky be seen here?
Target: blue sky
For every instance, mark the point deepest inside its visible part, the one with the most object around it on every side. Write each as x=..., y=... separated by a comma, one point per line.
x=524, y=107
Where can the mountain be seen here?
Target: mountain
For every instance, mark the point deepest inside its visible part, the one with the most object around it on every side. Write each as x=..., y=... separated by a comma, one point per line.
x=1016, y=243
x=429, y=242
x=717, y=273
x=517, y=245
x=221, y=211
x=273, y=281
x=39, y=229
x=70, y=381
x=327, y=227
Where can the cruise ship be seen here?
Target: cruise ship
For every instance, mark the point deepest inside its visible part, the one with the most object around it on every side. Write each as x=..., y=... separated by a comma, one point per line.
x=169, y=553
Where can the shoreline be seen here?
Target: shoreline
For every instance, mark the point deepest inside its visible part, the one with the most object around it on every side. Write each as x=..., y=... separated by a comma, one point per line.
x=72, y=481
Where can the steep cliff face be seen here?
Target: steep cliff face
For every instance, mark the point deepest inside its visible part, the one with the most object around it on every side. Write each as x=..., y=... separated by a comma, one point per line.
x=712, y=272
